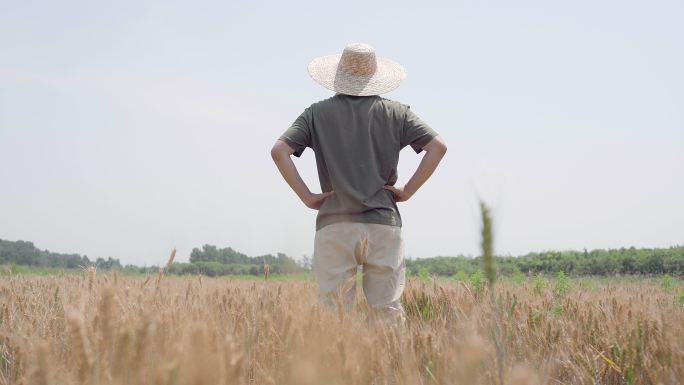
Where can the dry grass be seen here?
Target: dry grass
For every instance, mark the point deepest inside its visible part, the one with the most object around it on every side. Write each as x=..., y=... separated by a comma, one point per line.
x=108, y=329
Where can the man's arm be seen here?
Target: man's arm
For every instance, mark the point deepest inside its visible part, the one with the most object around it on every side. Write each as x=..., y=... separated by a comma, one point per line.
x=434, y=151
x=281, y=153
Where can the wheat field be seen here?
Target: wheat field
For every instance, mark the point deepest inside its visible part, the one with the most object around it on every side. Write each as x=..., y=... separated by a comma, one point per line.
x=111, y=329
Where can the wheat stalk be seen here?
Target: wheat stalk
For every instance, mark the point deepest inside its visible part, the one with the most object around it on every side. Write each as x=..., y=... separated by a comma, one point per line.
x=167, y=267
x=490, y=272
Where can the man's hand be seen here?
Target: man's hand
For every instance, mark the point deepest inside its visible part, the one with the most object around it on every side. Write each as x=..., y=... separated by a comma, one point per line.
x=281, y=153
x=400, y=194
x=315, y=201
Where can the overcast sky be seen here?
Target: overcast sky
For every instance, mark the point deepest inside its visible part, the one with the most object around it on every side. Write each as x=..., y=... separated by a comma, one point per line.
x=131, y=127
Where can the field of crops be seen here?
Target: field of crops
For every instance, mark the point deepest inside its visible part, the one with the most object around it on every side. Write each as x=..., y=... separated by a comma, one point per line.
x=110, y=329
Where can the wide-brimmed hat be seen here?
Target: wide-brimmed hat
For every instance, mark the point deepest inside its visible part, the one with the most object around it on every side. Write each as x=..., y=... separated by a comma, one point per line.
x=357, y=71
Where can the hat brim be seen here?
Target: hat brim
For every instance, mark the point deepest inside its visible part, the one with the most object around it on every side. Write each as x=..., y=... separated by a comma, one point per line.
x=325, y=71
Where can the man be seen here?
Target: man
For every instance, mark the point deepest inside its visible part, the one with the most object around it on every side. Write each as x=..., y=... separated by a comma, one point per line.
x=356, y=136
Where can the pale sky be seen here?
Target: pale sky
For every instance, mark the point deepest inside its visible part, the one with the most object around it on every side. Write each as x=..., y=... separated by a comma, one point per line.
x=131, y=127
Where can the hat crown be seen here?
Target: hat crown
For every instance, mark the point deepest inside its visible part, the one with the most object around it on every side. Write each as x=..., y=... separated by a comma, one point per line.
x=358, y=59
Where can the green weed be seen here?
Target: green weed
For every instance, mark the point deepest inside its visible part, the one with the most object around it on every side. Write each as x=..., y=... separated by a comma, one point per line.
x=461, y=276
x=679, y=300
x=539, y=283
x=562, y=285
x=477, y=280
x=517, y=277
x=667, y=282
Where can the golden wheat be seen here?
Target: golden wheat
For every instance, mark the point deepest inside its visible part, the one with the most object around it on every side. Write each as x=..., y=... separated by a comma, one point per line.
x=106, y=329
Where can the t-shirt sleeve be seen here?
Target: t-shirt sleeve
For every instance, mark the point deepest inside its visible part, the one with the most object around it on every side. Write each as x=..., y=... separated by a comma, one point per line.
x=298, y=136
x=415, y=132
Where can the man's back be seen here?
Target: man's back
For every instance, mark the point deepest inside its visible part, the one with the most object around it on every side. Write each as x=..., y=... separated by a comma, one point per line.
x=356, y=136
x=356, y=140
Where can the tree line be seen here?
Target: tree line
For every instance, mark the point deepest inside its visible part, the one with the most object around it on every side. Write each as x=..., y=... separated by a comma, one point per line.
x=26, y=254
x=605, y=262
x=213, y=261
x=209, y=260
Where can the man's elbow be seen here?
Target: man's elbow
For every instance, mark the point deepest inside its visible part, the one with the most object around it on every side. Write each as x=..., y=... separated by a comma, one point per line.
x=442, y=147
x=437, y=146
x=281, y=150
x=275, y=152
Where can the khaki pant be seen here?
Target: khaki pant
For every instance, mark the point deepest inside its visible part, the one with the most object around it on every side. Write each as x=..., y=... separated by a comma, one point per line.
x=340, y=247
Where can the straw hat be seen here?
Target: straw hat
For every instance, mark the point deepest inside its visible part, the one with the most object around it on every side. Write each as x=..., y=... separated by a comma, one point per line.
x=357, y=71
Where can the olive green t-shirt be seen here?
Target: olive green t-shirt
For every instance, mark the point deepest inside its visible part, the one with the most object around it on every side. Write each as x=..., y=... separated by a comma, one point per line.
x=356, y=140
